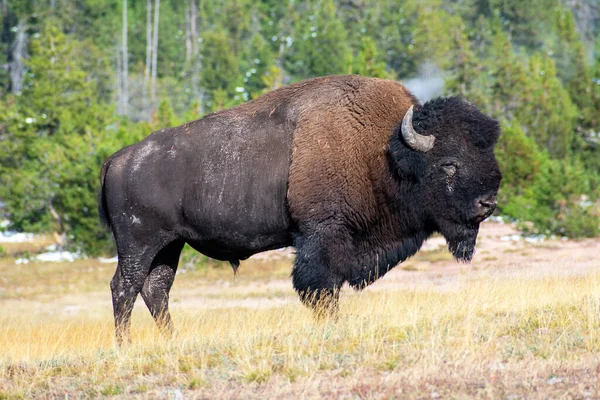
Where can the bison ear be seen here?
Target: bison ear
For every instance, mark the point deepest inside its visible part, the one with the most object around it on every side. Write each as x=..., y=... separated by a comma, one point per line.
x=405, y=162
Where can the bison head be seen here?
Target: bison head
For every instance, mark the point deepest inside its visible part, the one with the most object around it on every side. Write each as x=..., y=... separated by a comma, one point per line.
x=445, y=149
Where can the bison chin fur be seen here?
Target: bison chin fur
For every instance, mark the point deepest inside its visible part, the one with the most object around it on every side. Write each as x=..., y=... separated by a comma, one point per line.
x=461, y=241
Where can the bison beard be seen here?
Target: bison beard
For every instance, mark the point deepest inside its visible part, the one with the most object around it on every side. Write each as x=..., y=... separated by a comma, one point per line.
x=461, y=242
x=333, y=166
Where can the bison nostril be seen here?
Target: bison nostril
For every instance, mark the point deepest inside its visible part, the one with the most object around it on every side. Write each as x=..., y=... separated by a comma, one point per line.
x=486, y=206
x=487, y=203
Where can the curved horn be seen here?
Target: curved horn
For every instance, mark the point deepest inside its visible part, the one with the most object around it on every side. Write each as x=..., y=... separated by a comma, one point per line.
x=412, y=138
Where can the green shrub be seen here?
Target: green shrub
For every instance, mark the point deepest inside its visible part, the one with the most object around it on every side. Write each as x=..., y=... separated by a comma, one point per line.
x=557, y=195
x=564, y=200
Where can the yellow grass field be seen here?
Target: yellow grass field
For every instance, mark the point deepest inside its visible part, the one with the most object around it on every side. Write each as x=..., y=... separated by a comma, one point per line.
x=522, y=322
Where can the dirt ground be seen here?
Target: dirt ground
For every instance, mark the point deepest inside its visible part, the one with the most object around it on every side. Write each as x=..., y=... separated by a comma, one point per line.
x=501, y=252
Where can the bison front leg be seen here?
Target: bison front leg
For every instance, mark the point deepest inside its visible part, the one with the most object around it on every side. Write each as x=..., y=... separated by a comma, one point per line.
x=316, y=280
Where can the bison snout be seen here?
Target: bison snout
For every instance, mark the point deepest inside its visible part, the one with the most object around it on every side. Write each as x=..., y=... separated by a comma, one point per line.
x=484, y=207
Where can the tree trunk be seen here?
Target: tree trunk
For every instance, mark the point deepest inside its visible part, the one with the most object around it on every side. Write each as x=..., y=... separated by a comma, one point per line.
x=119, y=84
x=155, y=48
x=60, y=236
x=197, y=62
x=125, y=62
x=193, y=28
x=284, y=32
x=148, y=42
x=19, y=52
x=188, y=33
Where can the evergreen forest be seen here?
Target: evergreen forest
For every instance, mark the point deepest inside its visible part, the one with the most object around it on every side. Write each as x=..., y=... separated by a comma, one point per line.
x=80, y=79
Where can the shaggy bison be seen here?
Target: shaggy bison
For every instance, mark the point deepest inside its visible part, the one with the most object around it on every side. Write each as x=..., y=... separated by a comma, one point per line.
x=353, y=172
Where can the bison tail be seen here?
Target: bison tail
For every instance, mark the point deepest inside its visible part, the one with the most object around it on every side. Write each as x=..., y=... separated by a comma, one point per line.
x=102, y=210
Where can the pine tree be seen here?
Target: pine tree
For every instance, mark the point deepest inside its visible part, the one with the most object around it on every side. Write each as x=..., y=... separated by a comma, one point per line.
x=320, y=46
x=524, y=20
x=466, y=70
x=550, y=116
x=392, y=25
x=48, y=144
x=256, y=61
x=368, y=62
x=220, y=68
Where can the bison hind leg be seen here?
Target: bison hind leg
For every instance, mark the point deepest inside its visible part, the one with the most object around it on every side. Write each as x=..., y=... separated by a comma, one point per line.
x=148, y=268
x=158, y=283
x=125, y=286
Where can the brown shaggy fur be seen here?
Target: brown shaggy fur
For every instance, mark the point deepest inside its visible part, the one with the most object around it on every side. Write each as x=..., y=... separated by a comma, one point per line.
x=339, y=164
x=336, y=152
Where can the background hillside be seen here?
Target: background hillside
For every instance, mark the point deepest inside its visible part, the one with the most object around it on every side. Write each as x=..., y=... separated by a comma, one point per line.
x=77, y=83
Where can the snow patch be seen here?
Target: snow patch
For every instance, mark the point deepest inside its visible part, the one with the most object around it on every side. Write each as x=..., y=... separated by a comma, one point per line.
x=511, y=238
x=16, y=237
x=497, y=218
x=52, y=254
x=536, y=239
x=57, y=256
x=528, y=239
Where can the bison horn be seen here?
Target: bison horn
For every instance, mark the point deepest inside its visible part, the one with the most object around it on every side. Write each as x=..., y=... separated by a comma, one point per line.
x=414, y=140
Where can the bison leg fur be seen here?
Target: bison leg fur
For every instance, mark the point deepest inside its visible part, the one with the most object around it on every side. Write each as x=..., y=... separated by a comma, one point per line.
x=315, y=282
x=157, y=286
x=125, y=286
x=156, y=296
x=135, y=262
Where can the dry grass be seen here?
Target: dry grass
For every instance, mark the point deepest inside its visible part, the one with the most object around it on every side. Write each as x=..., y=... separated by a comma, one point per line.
x=45, y=281
x=489, y=338
x=495, y=330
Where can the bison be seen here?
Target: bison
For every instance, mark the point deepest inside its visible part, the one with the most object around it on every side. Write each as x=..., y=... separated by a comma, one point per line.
x=354, y=172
